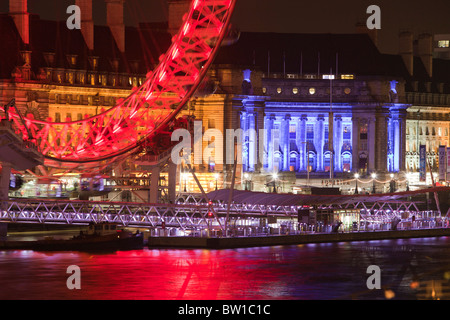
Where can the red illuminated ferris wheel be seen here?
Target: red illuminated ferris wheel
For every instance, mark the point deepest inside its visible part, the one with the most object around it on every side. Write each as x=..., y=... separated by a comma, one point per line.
x=119, y=131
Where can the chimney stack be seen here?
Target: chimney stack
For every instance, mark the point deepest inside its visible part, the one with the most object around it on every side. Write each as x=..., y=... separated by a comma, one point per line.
x=18, y=9
x=87, y=23
x=115, y=21
x=425, y=51
x=406, y=50
x=177, y=9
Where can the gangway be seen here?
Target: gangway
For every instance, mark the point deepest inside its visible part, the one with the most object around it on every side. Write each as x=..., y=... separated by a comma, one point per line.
x=130, y=214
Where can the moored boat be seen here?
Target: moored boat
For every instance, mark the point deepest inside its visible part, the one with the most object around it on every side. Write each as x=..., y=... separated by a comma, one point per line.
x=102, y=236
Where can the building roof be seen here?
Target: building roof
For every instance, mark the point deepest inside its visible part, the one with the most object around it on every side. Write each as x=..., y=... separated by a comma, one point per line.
x=310, y=53
x=319, y=53
x=144, y=45
x=293, y=53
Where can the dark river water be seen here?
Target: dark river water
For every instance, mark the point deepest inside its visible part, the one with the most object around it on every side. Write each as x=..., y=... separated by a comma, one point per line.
x=409, y=269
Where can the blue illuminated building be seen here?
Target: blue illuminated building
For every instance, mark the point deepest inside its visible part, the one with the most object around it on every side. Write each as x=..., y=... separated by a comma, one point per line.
x=366, y=133
x=293, y=84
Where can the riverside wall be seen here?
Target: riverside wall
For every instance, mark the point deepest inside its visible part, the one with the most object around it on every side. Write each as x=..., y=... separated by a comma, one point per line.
x=242, y=242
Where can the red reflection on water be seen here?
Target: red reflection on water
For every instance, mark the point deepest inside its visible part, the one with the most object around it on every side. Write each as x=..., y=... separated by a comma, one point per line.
x=177, y=274
x=143, y=274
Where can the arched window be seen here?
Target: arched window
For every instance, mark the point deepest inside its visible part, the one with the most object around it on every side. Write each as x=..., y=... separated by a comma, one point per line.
x=327, y=161
x=293, y=161
x=312, y=161
x=347, y=161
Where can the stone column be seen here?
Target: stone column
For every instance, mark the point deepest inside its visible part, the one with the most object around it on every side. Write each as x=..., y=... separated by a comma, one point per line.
x=319, y=141
x=397, y=147
x=285, y=147
x=355, y=144
x=301, y=141
x=244, y=127
x=338, y=142
x=252, y=140
x=269, y=141
x=371, y=143
x=403, y=143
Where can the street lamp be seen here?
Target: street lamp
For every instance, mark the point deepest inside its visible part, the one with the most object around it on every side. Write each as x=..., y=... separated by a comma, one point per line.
x=374, y=175
x=185, y=177
x=392, y=183
x=217, y=178
x=356, y=179
x=246, y=181
x=275, y=177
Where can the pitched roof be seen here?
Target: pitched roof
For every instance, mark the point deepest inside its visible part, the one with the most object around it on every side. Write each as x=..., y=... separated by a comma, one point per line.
x=143, y=44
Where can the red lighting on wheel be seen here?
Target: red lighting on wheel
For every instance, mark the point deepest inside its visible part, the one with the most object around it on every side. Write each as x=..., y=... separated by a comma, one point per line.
x=152, y=105
x=196, y=4
x=186, y=29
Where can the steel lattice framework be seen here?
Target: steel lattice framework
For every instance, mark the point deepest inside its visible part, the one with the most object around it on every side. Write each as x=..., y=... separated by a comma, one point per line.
x=188, y=212
x=118, y=132
x=131, y=214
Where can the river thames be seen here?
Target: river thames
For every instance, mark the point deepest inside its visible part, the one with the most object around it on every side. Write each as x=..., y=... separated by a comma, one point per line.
x=410, y=269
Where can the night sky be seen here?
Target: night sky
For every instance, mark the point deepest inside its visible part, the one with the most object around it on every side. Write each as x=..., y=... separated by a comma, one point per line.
x=300, y=16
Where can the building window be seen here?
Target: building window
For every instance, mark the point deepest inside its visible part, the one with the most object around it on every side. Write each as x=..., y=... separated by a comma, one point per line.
x=292, y=131
x=295, y=90
x=363, y=146
x=347, y=133
x=363, y=132
x=347, y=76
x=347, y=161
x=70, y=77
x=57, y=117
x=310, y=132
x=81, y=78
x=444, y=44
x=312, y=91
x=327, y=161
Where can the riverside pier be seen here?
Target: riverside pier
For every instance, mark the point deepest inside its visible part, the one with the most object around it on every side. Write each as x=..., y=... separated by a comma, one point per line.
x=250, y=219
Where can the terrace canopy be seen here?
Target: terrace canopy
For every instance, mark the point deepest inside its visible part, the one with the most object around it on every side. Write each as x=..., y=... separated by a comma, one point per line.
x=249, y=197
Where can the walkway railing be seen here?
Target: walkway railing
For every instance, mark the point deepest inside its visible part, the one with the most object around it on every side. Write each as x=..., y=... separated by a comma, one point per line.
x=201, y=216
x=129, y=214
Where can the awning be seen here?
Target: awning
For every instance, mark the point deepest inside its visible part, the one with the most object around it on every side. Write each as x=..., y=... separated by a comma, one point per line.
x=249, y=197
